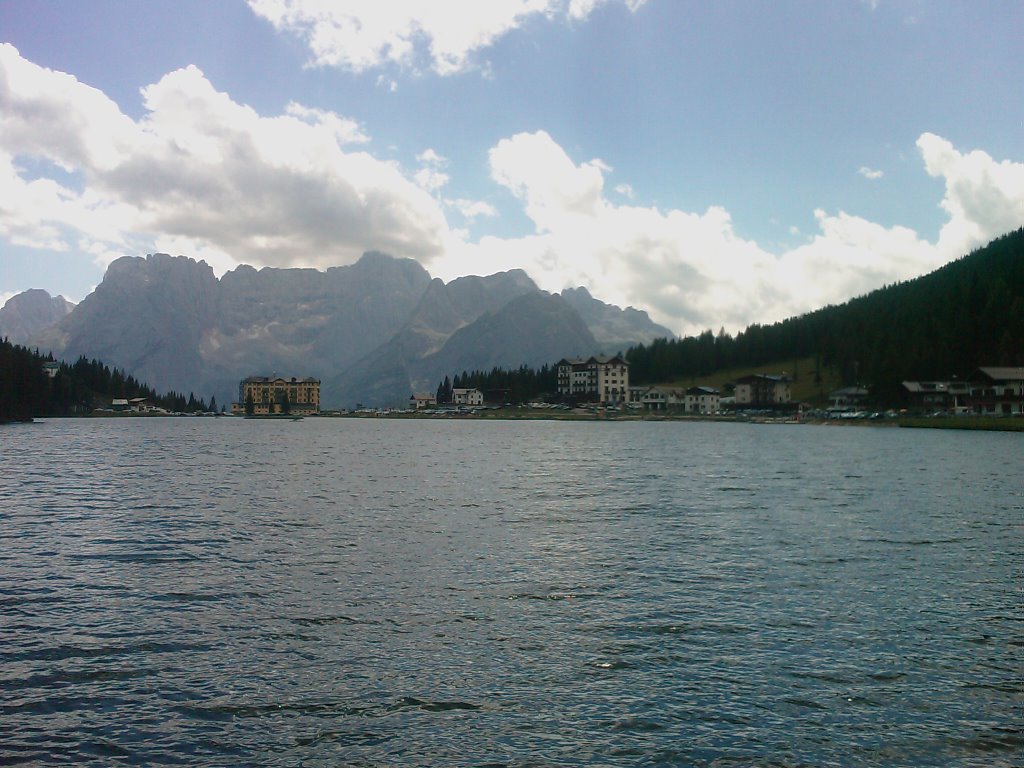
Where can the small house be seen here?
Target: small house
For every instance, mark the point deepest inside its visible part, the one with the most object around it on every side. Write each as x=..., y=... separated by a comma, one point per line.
x=702, y=400
x=420, y=400
x=937, y=395
x=467, y=397
x=847, y=398
x=997, y=390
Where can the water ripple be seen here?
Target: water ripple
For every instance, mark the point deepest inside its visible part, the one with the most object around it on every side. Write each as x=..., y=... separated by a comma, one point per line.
x=349, y=592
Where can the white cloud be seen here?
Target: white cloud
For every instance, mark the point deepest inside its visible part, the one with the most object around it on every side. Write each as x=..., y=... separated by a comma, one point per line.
x=539, y=172
x=870, y=173
x=430, y=179
x=203, y=175
x=200, y=168
x=472, y=209
x=983, y=198
x=429, y=176
x=431, y=158
x=344, y=130
x=359, y=35
x=626, y=191
x=692, y=271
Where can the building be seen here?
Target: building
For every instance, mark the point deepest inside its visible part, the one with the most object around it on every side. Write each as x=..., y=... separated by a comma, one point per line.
x=278, y=395
x=635, y=396
x=599, y=379
x=661, y=398
x=937, y=395
x=847, y=398
x=997, y=391
x=51, y=368
x=420, y=400
x=762, y=390
x=702, y=400
x=467, y=397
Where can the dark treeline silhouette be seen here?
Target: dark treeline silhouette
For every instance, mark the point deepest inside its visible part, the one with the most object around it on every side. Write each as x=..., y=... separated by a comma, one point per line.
x=502, y=385
x=968, y=314
x=27, y=391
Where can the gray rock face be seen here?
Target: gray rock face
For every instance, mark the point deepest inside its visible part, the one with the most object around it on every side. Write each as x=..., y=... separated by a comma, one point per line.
x=29, y=313
x=373, y=331
x=615, y=329
x=302, y=322
x=531, y=330
x=148, y=317
x=404, y=364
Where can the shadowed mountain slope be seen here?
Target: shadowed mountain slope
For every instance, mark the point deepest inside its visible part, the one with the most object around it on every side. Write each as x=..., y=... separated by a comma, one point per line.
x=372, y=331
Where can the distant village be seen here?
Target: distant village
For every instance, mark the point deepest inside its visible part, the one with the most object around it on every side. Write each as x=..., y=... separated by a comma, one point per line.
x=603, y=382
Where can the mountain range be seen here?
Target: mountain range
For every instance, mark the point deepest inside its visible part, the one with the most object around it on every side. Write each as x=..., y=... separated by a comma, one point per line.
x=29, y=312
x=373, y=332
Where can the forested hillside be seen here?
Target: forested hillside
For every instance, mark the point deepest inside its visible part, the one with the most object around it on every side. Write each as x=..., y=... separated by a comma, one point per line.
x=27, y=391
x=503, y=386
x=967, y=314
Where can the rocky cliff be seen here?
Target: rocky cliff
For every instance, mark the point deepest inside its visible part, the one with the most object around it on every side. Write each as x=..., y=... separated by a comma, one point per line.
x=373, y=331
x=30, y=312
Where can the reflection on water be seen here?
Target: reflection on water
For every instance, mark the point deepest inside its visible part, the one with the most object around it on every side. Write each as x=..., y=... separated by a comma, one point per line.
x=420, y=593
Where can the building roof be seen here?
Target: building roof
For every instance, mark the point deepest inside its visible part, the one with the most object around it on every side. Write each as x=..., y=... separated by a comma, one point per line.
x=598, y=359
x=938, y=387
x=269, y=380
x=606, y=359
x=777, y=378
x=849, y=392
x=1000, y=373
x=667, y=391
x=702, y=391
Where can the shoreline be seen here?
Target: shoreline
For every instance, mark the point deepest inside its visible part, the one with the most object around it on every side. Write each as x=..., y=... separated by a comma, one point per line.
x=969, y=423
x=962, y=423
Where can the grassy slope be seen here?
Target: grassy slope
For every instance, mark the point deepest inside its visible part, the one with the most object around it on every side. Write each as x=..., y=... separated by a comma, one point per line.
x=802, y=371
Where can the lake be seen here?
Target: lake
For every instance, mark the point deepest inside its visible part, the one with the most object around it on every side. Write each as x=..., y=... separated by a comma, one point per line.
x=485, y=593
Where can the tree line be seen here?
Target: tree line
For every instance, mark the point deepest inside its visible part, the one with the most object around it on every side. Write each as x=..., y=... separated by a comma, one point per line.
x=501, y=385
x=965, y=315
x=27, y=391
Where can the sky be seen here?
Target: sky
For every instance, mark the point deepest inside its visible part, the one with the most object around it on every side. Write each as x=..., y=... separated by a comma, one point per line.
x=716, y=164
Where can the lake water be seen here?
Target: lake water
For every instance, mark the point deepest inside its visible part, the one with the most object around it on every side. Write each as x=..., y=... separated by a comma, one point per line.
x=374, y=592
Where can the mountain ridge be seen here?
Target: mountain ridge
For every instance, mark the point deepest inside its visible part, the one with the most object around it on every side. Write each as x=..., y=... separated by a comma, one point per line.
x=372, y=331
x=29, y=312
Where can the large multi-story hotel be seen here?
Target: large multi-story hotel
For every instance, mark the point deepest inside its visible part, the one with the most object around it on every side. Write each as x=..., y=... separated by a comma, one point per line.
x=598, y=378
x=278, y=395
x=763, y=390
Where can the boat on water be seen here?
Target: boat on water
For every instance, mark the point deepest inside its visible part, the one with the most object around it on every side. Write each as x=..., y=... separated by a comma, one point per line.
x=275, y=416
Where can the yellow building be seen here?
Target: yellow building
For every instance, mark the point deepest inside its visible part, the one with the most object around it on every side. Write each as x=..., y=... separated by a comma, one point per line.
x=278, y=395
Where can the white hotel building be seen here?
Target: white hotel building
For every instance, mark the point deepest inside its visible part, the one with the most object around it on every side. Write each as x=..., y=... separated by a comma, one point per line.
x=597, y=379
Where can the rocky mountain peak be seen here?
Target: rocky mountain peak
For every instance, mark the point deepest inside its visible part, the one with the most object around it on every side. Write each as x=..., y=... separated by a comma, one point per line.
x=372, y=331
x=30, y=312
